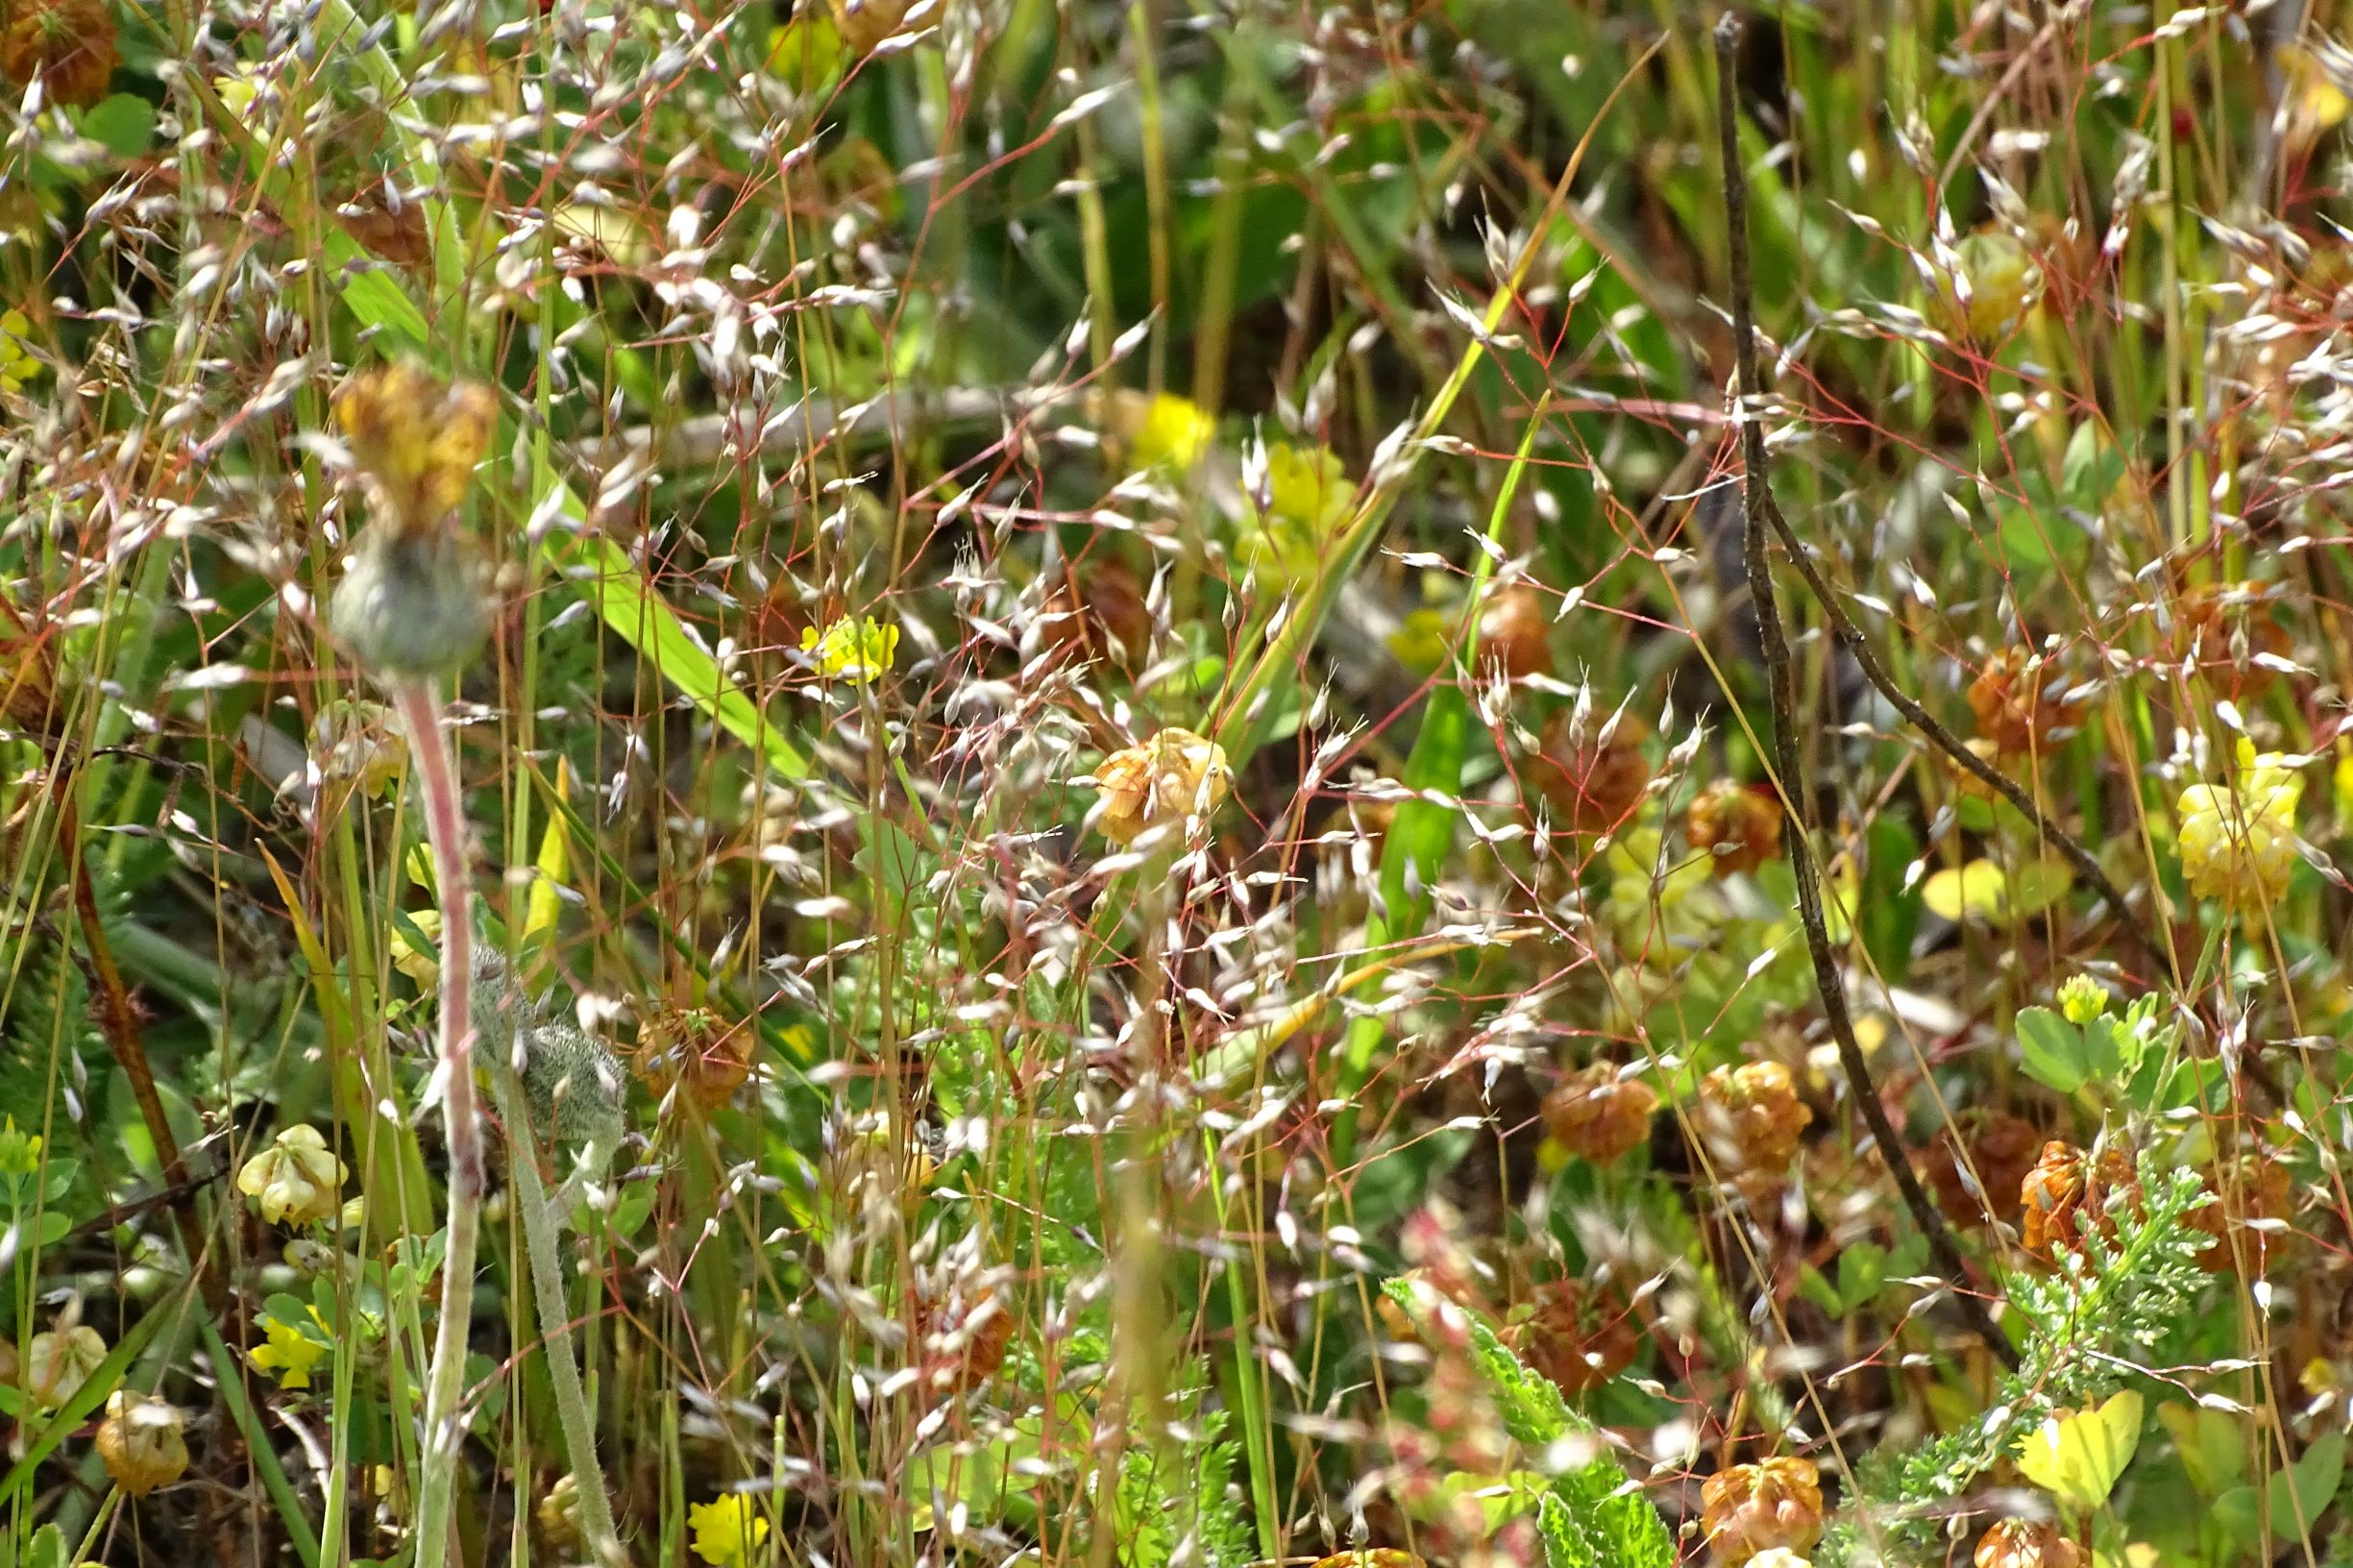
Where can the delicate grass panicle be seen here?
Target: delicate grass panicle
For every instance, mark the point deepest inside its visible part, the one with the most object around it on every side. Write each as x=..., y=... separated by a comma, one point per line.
x=959, y=783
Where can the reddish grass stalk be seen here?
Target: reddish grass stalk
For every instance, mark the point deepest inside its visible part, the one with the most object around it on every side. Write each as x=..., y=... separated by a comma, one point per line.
x=419, y=706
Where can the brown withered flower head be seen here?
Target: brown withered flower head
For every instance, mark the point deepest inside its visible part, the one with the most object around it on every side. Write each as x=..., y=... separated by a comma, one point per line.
x=1757, y=1507
x=1592, y=769
x=69, y=44
x=2256, y=1188
x=1751, y=1118
x=2066, y=1184
x=2016, y=699
x=2002, y=1150
x=2220, y=628
x=963, y=1343
x=29, y=697
x=1173, y=775
x=1737, y=827
x=2026, y=1543
x=1578, y=1337
x=142, y=1443
x=1098, y=611
x=1600, y=1116
x=1513, y=632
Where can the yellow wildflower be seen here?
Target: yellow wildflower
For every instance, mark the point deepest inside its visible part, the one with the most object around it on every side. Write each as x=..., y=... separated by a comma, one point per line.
x=1173, y=430
x=1423, y=640
x=297, y=1178
x=290, y=1354
x=1308, y=498
x=727, y=1530
x=356, y=741
x=2238, y=842
x=423, y=964
x=417, y=438
x=2082, y=1000
x=855, y=650
x=17, y=365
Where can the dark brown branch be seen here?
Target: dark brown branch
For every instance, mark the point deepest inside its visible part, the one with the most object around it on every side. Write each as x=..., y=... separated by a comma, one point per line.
x=1782, y=680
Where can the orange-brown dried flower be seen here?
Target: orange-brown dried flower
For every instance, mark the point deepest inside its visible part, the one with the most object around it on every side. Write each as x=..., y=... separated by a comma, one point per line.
x=1757, y=1507
x=68, y=43
x=1173, y=775
x=417, y=438
x=2221, y=628
x=1100, y=612
x=1580, y=1338
x=1753, y=1117
x=2065, y=1183
x=2002, y=1150
x=1512, y=631
x=2256, y=1188
x=711, y=1058
x=1737, y=827
x=2026, y=1543
x=2017, y=700
x=1596, y=778
x=1599, y=1115
x=963, y=1344
x=28, y=675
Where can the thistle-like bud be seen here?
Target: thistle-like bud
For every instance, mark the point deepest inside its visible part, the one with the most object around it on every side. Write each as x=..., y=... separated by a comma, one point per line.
x=413, y=605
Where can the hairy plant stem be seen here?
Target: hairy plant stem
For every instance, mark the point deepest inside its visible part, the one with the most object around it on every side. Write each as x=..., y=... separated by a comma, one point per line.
x=539, y=1219
x=1781, y=672
x=419, y=706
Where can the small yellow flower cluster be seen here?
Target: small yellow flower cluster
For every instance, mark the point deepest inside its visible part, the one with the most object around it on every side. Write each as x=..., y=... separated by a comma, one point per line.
x=297, y=1178
x=857, y=649
x=2237, y=842
x=727, y=1530
x=1170, y=431
x=1308, y=498
x=290, y=1350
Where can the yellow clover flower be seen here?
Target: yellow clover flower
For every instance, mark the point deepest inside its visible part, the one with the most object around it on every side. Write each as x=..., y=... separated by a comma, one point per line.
x=290, y=1354
x=727, y=1530
x=2237, y=842
x=1173, y=430
x=298, y=1179
x=856, y=649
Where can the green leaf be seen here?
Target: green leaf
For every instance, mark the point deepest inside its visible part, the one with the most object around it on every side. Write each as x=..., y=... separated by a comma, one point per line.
x=2212, y=1449
x=380, y=301
x=892, y=856
x=2053, y=1049
x=2299, y=1494
x=124, y=123
x=48, y=1549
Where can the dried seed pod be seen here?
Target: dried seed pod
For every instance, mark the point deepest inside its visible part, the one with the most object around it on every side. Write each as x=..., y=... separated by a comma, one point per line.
x=69, y=44
x=1753, y=1117
x=1173, y=775
x=2026, y=1543
x=711, y=1059
x=2258, y=1189
x=2066, y=1184
x=1513, y=632
x=1750, y=1508
x=962, y=1344
x=1737, y=828
x=1580, y=1338
x=1597, y=778
x=2017, y=702
x=2002, y=1150
x=1599, y=1115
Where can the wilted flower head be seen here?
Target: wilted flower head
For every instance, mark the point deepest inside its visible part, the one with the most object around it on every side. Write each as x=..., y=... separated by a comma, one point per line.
x=1578, y=1337
x=2238, y=842
x=356, y=741
x=416, y=438
x=1592, y=769
x=69, y=44
x=2255, y=1188
x=2026, y=1543
x=1753, y=1117
x=855, y=650
x=2065, y=1183
x=1753, y=1508
x=60, y=1361
x=297, y=1178
x=1599, y=1115
x=1173, y=775
x=141, y=1442
x=1737, y=828
x=2018, y=702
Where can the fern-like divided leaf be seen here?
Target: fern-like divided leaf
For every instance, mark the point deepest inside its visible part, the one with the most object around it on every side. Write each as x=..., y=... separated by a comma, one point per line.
x=1596, y=1515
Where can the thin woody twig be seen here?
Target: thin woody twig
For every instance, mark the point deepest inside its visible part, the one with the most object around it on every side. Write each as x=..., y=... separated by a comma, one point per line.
x=1780, y=668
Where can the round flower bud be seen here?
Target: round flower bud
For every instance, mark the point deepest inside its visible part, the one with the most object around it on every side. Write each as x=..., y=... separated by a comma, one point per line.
x=1599, y=1115
x=59, y=1361
x=141, y=1442
x=414, y=604
x=69, y=44
x=298, y=1179
x=1753, y=1508
x=1173, y=775
x=1737, y=828
x=2026, y=1543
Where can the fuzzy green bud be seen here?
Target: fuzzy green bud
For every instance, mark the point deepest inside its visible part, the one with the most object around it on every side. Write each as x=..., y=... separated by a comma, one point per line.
x=413, y=605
